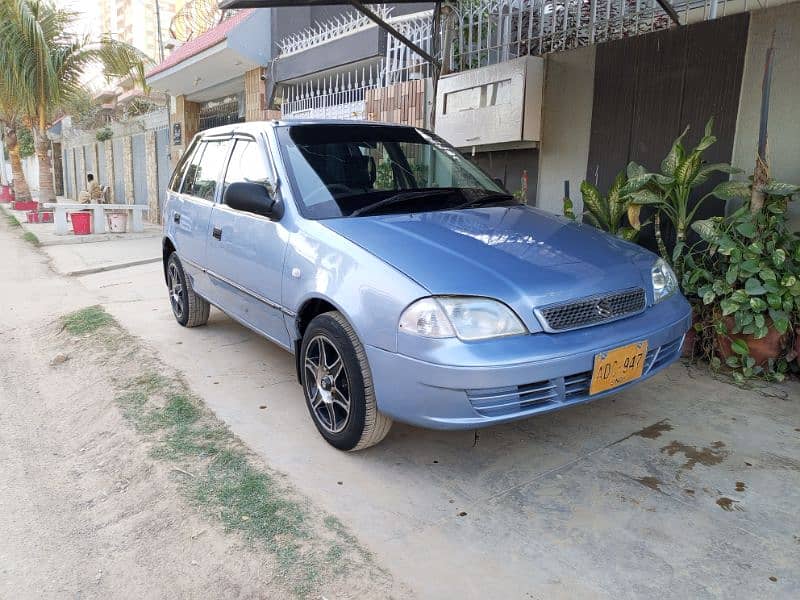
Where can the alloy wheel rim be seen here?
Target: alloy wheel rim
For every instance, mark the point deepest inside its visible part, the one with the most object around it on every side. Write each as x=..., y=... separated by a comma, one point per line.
x=326, y=384
x=175, y=290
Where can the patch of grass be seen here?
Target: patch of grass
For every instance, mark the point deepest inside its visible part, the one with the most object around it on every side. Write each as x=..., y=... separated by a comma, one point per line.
x=335, y=553
x=219, y=477
x=224, y=483
x=12, y=220
x=87, y=320
x=149, y=383
x=30, y=238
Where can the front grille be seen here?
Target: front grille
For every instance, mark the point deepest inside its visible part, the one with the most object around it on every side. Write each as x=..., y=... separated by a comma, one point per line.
x=541, y=396
x=592, y=310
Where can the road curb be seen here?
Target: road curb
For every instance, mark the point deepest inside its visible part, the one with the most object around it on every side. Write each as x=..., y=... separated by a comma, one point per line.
x=113, y=267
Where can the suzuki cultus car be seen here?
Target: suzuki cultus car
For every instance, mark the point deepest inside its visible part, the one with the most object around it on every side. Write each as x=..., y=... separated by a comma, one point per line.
x=407, y=283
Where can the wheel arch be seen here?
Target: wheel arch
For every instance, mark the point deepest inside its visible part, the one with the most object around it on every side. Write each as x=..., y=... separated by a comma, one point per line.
x=167, y=248
x=311, y=307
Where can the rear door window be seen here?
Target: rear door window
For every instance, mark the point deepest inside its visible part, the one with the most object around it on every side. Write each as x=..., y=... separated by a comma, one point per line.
x=205, y=169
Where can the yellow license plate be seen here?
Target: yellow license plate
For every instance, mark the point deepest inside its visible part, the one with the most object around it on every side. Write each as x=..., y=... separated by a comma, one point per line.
x=617, y=367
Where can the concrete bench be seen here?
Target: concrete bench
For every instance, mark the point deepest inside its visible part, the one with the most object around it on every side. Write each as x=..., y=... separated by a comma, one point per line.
x=98, y=215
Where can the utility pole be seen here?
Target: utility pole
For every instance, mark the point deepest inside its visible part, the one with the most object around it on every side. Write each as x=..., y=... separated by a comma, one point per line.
x=160, y=35
x=167, y=97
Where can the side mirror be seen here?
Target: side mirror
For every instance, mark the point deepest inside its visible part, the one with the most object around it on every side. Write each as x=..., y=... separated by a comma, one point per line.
x=253, y=198
x=500, y=183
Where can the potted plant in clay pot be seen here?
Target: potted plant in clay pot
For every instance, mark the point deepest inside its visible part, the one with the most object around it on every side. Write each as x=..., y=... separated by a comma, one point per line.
x=672, y=194
x=749, y=277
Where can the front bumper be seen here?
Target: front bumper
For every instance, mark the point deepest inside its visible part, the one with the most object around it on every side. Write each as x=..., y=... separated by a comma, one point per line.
x=440, y=396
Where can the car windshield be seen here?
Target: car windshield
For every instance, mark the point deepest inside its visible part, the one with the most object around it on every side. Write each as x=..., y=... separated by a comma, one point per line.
x=359, y=170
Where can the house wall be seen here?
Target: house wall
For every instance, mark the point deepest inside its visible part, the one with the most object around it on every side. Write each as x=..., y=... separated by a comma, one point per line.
x=186, y=116
x=30, y=166
x=254, y=101
x=399, y=103
x=511, y=167
x=134, y=163
x=566, y=126
x=784, y=109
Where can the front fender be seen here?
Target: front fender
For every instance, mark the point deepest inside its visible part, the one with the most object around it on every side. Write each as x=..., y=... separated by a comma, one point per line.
x=370, y=294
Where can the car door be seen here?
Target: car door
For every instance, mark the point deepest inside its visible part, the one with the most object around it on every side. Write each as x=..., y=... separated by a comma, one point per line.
x=245, y=252
x=191, y=212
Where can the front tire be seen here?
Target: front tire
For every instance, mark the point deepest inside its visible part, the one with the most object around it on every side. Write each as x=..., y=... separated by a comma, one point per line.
x=189, y=309
x=337, y=385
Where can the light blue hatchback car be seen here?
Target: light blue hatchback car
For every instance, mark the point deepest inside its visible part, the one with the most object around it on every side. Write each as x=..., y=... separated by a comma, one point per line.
x=408, y=284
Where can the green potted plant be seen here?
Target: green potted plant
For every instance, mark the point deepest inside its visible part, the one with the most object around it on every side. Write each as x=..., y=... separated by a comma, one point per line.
x=748, y=280
x=104, y=133
x=613, y=212
x=671, y=191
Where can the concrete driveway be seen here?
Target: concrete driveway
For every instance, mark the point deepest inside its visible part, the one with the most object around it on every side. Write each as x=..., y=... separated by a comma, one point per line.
x=684, y=487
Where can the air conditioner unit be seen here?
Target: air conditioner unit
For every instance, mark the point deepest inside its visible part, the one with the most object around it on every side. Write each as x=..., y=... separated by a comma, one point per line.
x=498, y=104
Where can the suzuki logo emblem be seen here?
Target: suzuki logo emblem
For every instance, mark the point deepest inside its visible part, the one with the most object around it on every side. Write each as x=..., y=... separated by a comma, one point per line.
x=603, y=309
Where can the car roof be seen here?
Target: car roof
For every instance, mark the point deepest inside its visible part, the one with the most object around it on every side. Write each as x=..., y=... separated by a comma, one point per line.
x=259, y=126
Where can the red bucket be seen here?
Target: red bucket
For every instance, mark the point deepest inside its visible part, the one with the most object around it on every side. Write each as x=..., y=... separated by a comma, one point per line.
x=32, y=216
x=81, y=223
x=25, y=206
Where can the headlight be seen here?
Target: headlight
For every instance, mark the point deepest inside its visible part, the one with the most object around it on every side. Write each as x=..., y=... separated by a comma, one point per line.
x=664, y=280
x=467, y=317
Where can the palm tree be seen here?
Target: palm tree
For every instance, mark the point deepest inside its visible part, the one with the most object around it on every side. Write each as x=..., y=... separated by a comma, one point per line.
x=44, y=65
x=9, y=122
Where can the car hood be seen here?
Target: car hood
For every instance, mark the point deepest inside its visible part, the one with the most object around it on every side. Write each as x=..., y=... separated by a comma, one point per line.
x=520, y=255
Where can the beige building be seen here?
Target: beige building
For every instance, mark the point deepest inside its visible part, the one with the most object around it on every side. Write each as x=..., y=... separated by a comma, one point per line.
x=135, y=22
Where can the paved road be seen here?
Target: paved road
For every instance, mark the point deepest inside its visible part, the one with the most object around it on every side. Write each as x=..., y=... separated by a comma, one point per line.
x=684, y=487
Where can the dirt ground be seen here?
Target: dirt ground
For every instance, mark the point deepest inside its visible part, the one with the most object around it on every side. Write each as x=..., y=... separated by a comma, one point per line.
x=85, y=509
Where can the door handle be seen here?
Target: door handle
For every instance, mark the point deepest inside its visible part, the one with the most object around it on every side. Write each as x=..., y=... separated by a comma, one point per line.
x=217, y=233
x=176, y=217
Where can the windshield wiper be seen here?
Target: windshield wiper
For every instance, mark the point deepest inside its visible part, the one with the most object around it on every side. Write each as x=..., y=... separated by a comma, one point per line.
x=490, y=198
x=398, y=199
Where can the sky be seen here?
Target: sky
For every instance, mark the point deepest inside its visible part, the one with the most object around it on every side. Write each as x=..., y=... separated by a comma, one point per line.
x=89, y=15
x=87, y=23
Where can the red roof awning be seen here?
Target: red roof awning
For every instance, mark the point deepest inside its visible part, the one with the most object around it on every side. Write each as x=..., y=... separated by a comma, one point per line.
x=206, y=40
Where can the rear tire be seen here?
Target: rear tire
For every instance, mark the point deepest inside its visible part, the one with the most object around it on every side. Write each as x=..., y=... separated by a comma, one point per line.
x=189, y=309
x=337, y=384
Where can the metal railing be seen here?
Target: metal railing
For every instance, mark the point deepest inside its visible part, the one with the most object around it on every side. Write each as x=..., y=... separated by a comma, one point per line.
x=402, y=62
x=223, y=112
x=339, y=96
x=342, y=95
x=492, y=31
x=325, y=31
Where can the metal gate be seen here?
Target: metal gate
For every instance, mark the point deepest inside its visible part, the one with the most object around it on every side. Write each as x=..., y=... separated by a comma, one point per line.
x=88, y=159
x=139, y=164
x=215, y=113
x=102, y=170
x=76, y=176
x=119, y=172
x=67, y=174
x=164, y=165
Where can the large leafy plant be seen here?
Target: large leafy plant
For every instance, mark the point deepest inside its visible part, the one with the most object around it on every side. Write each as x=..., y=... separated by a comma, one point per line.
x=748, y=275
x=612, y=212
x=671, y=191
